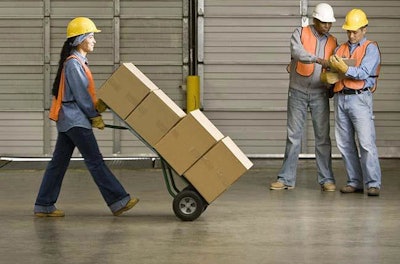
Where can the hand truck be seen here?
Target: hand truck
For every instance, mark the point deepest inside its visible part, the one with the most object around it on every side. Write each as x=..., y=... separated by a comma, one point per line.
x=188, y=204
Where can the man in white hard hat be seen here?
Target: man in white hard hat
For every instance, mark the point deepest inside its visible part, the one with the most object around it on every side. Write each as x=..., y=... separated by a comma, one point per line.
x=310, y=47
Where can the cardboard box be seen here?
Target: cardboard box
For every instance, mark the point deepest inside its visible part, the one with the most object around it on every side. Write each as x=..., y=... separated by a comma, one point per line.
x=155, y=116
x=190, y=139
x=218, y=169
x=125, y=89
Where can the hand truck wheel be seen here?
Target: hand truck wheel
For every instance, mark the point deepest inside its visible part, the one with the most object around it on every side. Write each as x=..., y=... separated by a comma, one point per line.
x=191, y=188
x=188, y=205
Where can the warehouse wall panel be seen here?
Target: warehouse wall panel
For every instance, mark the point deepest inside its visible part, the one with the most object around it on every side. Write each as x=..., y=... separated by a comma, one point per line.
x=246, y=50
x=146, y=33
x=243, y=53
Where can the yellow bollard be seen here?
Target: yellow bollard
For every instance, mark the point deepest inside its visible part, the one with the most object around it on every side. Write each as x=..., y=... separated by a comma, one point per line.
x=192, y=93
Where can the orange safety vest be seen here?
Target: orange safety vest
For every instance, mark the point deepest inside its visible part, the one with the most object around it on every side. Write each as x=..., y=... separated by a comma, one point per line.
x=358, y=54
x=309, y=42
x=57, y=102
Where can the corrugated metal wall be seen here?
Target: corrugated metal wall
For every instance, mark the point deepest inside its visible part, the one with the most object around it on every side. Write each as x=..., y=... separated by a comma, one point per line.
x=244, y=48
x=22, y=77
x=147, y=33
x=245, y=81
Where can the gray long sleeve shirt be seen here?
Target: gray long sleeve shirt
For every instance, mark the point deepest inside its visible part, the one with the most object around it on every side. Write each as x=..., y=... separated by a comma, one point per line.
x=310, y=84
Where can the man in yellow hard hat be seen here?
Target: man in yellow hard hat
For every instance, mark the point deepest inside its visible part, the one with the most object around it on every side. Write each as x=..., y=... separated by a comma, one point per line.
x=353, y=100
x=310, y=49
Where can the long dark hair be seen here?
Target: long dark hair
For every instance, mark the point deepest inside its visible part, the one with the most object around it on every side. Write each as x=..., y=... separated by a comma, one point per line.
x=65, y=52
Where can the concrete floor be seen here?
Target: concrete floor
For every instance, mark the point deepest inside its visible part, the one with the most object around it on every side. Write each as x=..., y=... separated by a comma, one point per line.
x=246, y=224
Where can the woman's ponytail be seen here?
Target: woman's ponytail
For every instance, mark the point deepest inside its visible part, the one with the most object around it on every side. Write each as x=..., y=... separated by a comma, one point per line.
x=65, y=52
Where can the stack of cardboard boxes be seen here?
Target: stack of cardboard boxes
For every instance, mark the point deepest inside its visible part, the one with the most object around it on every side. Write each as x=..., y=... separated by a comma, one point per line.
x=193, y=147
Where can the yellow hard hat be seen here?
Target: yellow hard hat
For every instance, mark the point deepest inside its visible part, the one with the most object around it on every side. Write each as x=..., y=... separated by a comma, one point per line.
x=79, y=26
x=355, y=19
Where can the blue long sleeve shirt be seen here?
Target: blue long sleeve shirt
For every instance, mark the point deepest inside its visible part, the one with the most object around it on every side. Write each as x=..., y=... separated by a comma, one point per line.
x=77, y=107
x=367, y=69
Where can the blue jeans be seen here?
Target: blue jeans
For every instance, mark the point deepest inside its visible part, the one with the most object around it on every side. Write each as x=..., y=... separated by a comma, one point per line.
x=298, y=104
x=354, y=116
x=111, y=189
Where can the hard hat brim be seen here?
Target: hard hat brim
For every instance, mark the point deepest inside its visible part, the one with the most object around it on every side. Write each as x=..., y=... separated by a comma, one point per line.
x=352, y=28
x=74, y=35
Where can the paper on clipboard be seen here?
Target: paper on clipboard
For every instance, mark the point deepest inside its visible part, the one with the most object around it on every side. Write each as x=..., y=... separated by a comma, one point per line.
x=350, y=62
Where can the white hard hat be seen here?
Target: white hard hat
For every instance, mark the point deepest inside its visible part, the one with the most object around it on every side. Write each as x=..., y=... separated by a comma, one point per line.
x=324, y=13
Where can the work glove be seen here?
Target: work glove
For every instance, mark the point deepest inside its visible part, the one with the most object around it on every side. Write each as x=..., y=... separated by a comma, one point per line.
x=101, y=106
x=338, y=64
x=329, y=77
x=97, y=122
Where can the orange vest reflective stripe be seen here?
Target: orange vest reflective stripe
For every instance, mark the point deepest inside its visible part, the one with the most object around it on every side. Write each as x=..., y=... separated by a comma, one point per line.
x=57, y=102
x=309, y=42
x=358, y=54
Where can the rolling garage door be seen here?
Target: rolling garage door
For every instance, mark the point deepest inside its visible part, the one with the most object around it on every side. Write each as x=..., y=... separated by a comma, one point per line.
x=146, y=33
x=22, y=77
x=244, y=55
x=244, y=48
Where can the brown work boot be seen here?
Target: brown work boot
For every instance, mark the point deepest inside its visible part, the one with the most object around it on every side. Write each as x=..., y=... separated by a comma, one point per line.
x=280, y=186
x=373, y=191
x=351, y=189
x=328, y=187
x=55, y=213
x=132, y=202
